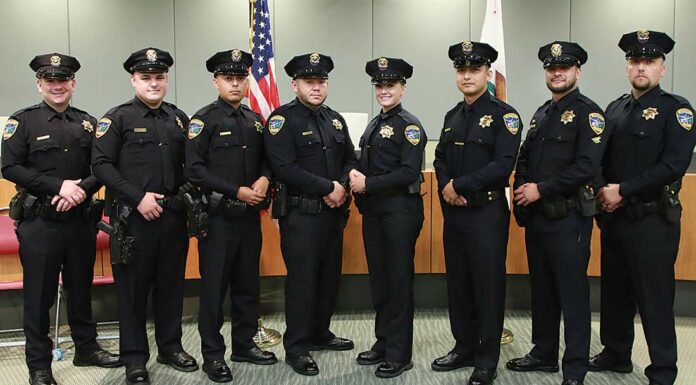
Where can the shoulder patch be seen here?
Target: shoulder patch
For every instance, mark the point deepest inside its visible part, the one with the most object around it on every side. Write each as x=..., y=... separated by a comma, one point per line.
x=685, y=117
x=10, y=128
x=275, y=124
x=596, y=122
x=102, y=127
x=512, y=122
x=412, y=133
x=195, y=128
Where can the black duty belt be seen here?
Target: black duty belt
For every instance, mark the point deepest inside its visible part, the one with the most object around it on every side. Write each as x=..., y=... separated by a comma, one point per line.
x=307, y=205
x=481, y=198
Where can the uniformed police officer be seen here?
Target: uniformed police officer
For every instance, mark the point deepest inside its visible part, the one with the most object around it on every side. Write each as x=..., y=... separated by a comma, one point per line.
x=473, y=161
x=386, y=185
x=310, y=151
x=139, y=155
x=553, y=200
x=225, y=158
x=46, y=152
x=647, y=155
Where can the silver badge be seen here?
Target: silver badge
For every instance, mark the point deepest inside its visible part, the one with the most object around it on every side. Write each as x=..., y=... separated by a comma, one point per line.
x=151, y=55
x=55, y=61
x=467, y=46
x=236, y=55
x=643, y=35
x=314, y=59
x=382, y=63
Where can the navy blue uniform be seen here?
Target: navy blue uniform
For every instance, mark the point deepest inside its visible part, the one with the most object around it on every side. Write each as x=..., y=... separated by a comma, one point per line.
x=40, y=149
x=477, y=150
x=650, y=148
x=139, y=149
x=561, y=154
x=223, y=153
x=391, y=155
x=308, y=150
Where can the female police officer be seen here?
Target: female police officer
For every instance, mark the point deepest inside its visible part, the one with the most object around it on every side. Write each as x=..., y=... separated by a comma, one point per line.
x=387, y=186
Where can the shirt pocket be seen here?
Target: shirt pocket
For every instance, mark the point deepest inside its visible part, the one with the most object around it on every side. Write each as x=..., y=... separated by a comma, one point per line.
x=44, y=154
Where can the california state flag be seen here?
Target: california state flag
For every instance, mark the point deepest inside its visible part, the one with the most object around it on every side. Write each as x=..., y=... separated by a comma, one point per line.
x=492, y=33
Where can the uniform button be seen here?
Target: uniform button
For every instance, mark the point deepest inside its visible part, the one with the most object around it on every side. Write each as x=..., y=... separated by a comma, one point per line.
x=65, y=150
x=480, y=140
x=160, y=144
x=642, y=133
x=558, y=138
x=244, y=146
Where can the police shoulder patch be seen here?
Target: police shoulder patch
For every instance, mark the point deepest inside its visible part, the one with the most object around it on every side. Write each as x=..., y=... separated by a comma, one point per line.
x=195, y=128
x=685, y=117
x=512, y=122
x=10, y=128
x=275, y=124
x=596, y=122
x=413, y=134
x=102, y=127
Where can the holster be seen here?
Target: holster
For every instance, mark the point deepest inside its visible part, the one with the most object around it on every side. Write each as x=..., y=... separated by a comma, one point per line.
x=671, y=206
x=280, y=200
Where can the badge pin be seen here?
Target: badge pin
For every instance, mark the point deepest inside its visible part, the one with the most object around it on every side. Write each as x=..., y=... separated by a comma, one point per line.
x=485, y=121
x=314, y=59
x=382, y=63
x=88, y=126
x=259, y=127
x=567, y=117
x=650, y=113
x=386, y=131
x=556, y=50
x=643, y=35
x=55, y=61
x=337, y=124
x=467, y=46
x=236, y=55
x=179, y=123
x=151, y=55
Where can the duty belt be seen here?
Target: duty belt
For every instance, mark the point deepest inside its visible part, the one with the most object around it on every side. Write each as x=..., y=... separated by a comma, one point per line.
x=482, y=198
x=638, y=210
x=307, y=205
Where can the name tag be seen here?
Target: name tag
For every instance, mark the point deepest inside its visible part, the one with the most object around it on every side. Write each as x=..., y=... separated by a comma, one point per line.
x=459, y=143
x=140, y=130
x=43, y=137
x=225, y=133
x=305, y=133
x=447, y=129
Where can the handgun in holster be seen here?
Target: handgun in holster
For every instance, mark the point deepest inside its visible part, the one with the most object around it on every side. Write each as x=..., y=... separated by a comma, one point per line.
x=415, y=187
x=198, y=216
x=280, y=200
x=94, y=210
x=669, y=198
x=121, y=245
x=586, y=201
x=555, y=207
x=17, y=204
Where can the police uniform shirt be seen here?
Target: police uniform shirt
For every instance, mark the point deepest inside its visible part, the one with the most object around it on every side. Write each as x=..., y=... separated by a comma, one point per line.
x=139, y=149
x=651, y=144
x=41, y=148
x=478, y=145
x=564, y=145
x=225, y=148
x=391, y=150
x=309, y=149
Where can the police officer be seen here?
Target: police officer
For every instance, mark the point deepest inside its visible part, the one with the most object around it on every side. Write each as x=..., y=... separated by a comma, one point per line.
x=647, y=155
x=46, y=152
x=553, y=200
x=311, y=153
x=473, y=161
x=139, y=155
x=386, y=185
x=224, y=157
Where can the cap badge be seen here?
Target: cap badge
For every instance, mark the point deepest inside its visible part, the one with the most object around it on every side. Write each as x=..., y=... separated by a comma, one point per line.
x=386, y=131
x=314, y=59
x=643, y=35
x=556, y=50
x=236, y=55
x=650, y=113
x=567, y=117
x=382, y=63
x=55, y=61
x=151, y=55
x=485, y=121
x=467, y=46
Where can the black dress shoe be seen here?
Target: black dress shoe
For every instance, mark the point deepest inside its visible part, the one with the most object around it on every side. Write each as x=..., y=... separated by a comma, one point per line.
x=392, y=369
x=97, y=357
x=482, y=376
x=370, y=357
x=255, y=356
x=451, y=361
x=602, y=363
x=217, y=371
x=531, y=364
x=42, y=377
x=304, y=365
x=336, y=343
x=137, y=375
x=571, y=382
x=180, y=361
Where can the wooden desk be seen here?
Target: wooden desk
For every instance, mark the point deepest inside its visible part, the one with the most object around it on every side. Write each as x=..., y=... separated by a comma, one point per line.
x=429, y=250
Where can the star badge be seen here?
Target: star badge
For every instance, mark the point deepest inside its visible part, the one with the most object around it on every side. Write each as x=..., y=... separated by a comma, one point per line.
x=650, y=113
x=88, y=126
x=485, y=121
x=386, y=131
x=337, y=124
x=567, y=117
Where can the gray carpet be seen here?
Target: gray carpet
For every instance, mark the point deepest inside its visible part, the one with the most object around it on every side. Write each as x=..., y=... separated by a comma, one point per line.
x=432, y=339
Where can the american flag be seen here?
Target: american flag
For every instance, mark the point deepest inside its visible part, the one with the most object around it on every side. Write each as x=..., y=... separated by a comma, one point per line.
x=263, y=93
